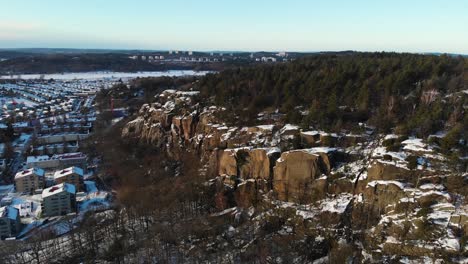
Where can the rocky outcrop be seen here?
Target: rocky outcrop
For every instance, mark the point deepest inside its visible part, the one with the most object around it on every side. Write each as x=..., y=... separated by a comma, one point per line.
x=327, y=139
x=384, y=195
x=295, y=171
x=310, y=138
x=150, y=126
x=386, y=171
x=249, y=192
x=227, y=164
x=256, y=163
x=184, y=126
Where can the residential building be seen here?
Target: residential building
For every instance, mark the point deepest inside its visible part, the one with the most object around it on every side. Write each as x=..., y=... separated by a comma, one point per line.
x=29, y=180
x=9, y=222
x=59, y=200
x=71, y=175
x=57, y=161
x=268, y=59
x=71, y=159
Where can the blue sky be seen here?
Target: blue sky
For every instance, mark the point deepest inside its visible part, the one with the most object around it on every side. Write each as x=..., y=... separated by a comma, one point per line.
x=289, y=25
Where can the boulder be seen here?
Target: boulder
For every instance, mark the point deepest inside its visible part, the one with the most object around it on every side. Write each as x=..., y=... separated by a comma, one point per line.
x=309, y=138
x=328, y=140
x=384, y=194
x=386, y=171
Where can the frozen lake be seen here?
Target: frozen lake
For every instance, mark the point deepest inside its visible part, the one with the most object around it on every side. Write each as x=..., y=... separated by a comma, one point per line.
x=106, y=75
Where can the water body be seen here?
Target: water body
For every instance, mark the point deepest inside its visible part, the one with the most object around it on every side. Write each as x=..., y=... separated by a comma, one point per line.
x=105, y=75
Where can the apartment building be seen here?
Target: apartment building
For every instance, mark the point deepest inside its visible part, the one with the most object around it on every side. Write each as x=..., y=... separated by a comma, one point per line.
x=59, y=200
x=29, y=180
x=71, y=175
x=9, y=222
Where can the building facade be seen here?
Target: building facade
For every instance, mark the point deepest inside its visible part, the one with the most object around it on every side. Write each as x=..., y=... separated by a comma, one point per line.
x=9, y=222
x=71, y=175
x=29, y=180
x=57, y=161
x=59, y=200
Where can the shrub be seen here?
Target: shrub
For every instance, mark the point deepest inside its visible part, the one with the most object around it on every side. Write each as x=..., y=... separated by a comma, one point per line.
x=412, y=162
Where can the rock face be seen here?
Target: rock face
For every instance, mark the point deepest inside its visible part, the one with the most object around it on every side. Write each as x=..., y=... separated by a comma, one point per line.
x=383, y=194
x=249, y=192
x=183, y=127
x=255, y=166
x=227, y=163
x=150, y=126
x=295, y=172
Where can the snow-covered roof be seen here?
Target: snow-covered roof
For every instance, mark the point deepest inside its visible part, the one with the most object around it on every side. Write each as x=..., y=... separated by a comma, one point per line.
x=68, y=171
x=32, y=159
x=56, y=189
x=36, y=171
x=9, y=212
x=75, y=155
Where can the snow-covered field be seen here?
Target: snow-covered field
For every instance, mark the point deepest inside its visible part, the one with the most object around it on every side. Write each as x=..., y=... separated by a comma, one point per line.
x=106, y=75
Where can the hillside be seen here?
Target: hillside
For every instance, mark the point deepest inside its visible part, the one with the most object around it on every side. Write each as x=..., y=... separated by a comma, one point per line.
x=344, y=158
x=388, y=184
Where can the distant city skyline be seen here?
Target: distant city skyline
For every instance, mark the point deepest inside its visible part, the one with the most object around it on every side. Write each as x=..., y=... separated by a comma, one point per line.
x=208, y=25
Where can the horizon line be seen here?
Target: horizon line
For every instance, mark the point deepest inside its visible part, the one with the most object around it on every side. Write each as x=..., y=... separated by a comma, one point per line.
x=235, y=51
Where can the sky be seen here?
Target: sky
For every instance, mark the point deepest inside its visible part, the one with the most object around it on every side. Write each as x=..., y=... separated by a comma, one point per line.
x=237, y=25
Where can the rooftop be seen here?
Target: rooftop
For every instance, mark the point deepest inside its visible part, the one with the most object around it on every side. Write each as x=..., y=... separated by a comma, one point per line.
x=9, y=212
x=68, y=171
x=37, y=171
x=31, y=159
x=56, y=189
x=75, y=155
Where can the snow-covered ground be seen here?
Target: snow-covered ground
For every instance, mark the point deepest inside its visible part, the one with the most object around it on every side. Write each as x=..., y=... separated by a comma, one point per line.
x=95, y=201
x=5, y=189
x=106, y=75
x=90, y=186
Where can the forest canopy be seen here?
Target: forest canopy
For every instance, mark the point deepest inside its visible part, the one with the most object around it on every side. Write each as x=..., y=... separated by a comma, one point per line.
x=419, y=93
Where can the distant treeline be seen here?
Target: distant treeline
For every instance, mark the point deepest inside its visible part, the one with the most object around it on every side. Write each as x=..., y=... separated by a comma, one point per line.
x=61, y=63
x=415, y=93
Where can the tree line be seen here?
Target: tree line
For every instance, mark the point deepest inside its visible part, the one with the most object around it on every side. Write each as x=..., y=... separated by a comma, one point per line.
x=415, y=93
